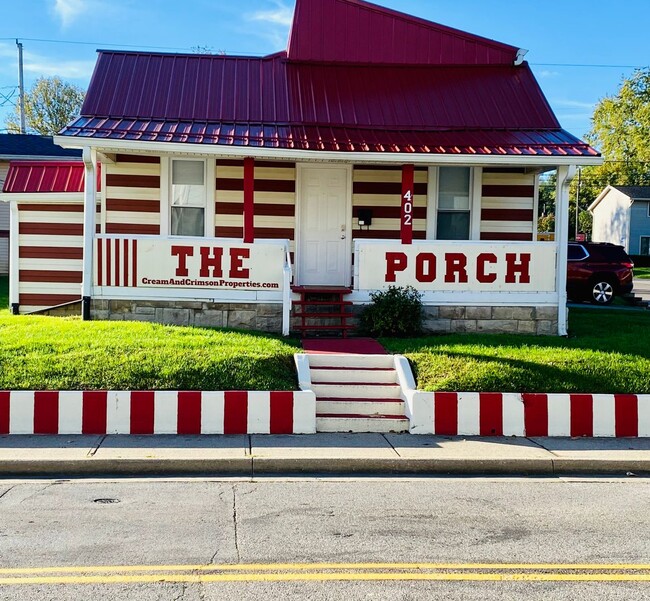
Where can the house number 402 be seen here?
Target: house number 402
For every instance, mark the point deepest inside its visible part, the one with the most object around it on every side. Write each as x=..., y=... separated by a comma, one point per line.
x=408, y=208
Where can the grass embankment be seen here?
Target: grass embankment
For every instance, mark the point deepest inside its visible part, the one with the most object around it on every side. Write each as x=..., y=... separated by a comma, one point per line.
x=46, y=353
x=606, y=352
x=642, y=273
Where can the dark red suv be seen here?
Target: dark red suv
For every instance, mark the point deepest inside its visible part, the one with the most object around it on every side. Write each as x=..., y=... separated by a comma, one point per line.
x=598, y=271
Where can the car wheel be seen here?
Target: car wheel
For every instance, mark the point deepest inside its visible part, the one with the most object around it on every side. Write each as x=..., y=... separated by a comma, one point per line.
x=602, y=292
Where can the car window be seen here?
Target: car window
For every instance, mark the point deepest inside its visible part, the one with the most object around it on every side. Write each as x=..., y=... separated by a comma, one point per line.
x=576, y=252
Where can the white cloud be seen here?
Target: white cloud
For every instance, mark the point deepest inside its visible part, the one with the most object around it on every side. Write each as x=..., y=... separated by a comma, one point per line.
x=574, y=104
x=546, y=74
x=280, y=15
x=43, y=67
x=69, y=10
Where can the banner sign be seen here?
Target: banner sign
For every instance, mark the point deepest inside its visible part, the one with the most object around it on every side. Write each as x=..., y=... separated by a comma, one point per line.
x=189, y=263
x=449, y=266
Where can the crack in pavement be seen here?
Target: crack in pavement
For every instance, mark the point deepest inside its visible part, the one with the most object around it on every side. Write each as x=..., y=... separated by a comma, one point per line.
x=8, y=490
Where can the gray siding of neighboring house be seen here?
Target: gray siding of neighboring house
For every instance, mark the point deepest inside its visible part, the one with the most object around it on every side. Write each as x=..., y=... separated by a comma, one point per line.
x=639, y=225
x=4, y=225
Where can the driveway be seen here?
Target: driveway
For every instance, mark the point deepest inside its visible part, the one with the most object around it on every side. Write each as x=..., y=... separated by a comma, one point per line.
x=642, y=289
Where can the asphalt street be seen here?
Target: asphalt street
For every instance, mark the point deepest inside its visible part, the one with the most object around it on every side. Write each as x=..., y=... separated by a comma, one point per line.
x=316, y=538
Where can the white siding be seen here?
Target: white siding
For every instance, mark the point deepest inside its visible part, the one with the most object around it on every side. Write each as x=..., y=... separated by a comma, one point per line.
x=611, y=219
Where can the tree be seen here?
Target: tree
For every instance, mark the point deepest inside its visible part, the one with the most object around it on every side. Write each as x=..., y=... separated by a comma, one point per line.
x=49, y=106
x=621, y=130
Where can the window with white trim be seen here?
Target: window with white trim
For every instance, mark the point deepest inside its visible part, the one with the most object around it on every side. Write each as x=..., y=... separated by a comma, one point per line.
x=450, y=204
x=453, y=219
x=188, y=197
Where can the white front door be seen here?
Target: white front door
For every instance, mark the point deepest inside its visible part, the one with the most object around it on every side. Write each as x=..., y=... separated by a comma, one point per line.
x=324, y=251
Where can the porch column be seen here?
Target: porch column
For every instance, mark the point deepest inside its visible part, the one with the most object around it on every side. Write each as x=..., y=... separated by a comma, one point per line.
x=406, y=223
x=90, y=209
x=14, y=267
x=249, y=200
x=564, y=177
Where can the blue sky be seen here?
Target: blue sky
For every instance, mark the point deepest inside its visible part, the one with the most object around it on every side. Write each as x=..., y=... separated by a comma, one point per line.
x=556, y=33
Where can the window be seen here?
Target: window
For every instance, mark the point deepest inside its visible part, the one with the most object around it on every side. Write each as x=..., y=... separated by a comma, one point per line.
x=577, y=252
x=188, y=198
x=453, y=212
x=645, y=245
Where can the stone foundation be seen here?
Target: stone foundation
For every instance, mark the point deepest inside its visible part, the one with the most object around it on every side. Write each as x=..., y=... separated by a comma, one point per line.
x=248, y=316
x=450, y=319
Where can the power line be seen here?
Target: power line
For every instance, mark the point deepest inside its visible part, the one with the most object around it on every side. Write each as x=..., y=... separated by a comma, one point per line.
x=112, y=45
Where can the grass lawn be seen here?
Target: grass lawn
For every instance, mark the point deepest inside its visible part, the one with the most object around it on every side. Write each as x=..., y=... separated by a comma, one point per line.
x=606, y=352
x=643, y=273
x=50, y=353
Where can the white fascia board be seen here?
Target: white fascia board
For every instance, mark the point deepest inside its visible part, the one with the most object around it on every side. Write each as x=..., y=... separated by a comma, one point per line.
x=377, y=158
x=599, y=198
x=38, y=197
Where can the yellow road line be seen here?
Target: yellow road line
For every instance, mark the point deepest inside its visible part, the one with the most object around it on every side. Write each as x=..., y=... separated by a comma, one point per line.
x=263, y=567
x=326, y=576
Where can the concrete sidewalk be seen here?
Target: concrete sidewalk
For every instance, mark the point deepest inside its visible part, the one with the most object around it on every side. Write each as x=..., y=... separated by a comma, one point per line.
x=251, y=455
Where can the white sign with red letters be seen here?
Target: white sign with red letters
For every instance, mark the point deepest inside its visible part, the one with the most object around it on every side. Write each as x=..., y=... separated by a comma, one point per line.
x=189, y=263
x=457, y=266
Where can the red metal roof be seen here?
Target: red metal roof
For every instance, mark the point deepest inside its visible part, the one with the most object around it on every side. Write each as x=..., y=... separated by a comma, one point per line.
x=46, y=176
x=484, y=107
x=353, y=31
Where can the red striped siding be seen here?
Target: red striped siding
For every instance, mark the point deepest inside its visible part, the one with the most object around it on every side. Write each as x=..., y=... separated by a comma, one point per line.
x=506, y=236
x=50, y=252
x=34, y=275
x=48, y=300
x=132, y=181
x=235, y=420
x=189, y=413
x=132, y=228
x=142, y=412
x=133, y=206
x=507, y=214
x=281, y=413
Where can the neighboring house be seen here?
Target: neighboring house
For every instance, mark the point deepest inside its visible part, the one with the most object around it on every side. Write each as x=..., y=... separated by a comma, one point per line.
x=622, y=216
x=378, y=149
x=16, y=147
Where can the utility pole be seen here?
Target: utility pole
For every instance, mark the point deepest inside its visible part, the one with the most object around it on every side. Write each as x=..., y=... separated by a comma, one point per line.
x=578, y=202
x=21, y=87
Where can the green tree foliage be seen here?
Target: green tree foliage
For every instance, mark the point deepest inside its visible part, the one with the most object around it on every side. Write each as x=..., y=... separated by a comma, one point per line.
x=50, y=105
x=621, y=131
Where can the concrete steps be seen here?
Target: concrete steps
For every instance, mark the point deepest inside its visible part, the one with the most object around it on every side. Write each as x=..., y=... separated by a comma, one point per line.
x=356, y=393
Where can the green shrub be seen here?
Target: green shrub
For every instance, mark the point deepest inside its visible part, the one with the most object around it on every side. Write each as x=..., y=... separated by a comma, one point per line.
x=393, y=312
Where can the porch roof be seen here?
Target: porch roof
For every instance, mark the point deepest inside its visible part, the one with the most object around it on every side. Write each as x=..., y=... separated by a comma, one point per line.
x=46, y=176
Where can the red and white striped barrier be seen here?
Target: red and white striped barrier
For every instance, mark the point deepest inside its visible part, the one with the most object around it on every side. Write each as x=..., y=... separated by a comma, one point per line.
x=513, y=414
x=159, y=412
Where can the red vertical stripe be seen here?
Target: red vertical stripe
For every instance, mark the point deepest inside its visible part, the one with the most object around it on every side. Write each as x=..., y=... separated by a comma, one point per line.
x=142, y=408
x=249, y=199
x=406, y=225
x=235, y=418
x=134, y=258
x=535, y=414
x=126, y=262
x=46, y=412
x=582, y=415
x=626, y=414
x=491, y=414
x=446, y=413
x=109, y=266
x=4, y=411
x=100, y=262
x=118, y=281
x=282, y=413
x=189, y=413
x=93, y=414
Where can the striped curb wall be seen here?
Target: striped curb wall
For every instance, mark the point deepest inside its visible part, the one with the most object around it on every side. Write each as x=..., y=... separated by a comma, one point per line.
x=157, y=412
x=528, y=414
